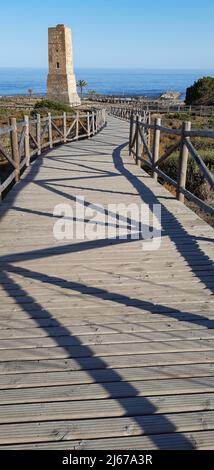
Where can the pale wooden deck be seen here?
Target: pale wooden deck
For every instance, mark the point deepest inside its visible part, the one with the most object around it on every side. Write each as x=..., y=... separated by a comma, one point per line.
x=103, y=345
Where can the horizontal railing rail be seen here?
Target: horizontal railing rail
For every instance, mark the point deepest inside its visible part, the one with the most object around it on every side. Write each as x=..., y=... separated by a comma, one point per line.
x=164, y=108
x=20, y=141
x=140, y=144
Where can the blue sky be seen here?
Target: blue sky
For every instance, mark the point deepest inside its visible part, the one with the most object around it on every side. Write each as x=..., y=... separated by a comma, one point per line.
x=111, y=33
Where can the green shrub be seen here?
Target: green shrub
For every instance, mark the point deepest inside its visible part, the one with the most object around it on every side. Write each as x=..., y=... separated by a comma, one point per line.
x=48, y=106
x=201, y=92
x=195, y=180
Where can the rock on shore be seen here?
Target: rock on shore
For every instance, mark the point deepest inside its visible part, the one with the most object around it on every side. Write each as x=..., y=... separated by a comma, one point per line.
x=170, y=95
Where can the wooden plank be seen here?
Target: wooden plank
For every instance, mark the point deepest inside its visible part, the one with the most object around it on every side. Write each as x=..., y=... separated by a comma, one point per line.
x=8, y=181
x=85, y=313
x=105, y=350
x=168, y=152
x=88, y=363
x=200, y=440
x=84, y=300
x=112, y=427
x=106, y=339
x=7, y=156
x=88, y=409
x=118, y=390
x=10, y=329
x=57, y=129
x=70, y=377
x=146, y=148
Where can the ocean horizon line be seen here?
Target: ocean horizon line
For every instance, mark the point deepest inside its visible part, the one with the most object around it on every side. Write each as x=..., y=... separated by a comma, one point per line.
x=107, y=81
x=168, y=69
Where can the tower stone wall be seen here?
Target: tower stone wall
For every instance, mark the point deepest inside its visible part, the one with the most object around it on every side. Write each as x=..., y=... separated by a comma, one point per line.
x=61, y=82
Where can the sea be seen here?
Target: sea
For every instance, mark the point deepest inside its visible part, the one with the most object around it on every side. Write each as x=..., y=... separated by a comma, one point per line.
x=125, y=82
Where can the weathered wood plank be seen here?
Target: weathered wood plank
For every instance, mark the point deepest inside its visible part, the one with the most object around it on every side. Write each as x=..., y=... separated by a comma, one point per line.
x=68, y=377
x=104, y=350
x=88, y=363
x=74, y=410
x=105, y=339
x=30, y=329
x=201, y=440
x=109, y=390
x=112, y=427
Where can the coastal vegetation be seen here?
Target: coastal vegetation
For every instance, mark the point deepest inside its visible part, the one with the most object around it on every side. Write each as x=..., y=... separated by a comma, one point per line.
x=48, y=106
x=201, y=92
x=91, y=94
x=30, y=107
x=81, y=84
x=195, y=181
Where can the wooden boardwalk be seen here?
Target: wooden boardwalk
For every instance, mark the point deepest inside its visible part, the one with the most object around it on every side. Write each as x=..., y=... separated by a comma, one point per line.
x=103, y=345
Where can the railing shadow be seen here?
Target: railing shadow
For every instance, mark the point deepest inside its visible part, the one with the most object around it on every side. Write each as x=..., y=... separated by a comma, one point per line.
x=140, y=423
x=177, y=234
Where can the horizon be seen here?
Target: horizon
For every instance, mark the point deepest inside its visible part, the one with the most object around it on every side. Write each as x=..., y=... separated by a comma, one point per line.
x=199, y=69
x=111, y=81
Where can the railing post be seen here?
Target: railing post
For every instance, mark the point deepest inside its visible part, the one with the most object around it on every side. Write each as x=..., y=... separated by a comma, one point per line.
x=149, y=131
x=139, y=142
x=88, y=124
x=93, y=123
x=38, y=133
x=103, y=117
x=50, y=131
x=137, y=139
x=64, y=127
x=156, y=144
x=77, y=125
x=96, y=121
x=183, y=162
x=27, y=140
x=15, y=147
x=131, y=132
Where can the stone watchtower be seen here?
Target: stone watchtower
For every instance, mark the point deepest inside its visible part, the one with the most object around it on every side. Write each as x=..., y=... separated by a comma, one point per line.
x=61, y=82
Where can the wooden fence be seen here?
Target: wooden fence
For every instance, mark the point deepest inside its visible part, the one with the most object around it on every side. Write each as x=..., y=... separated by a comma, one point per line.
x=140, y=144
x=21, y=141
x=167, y=108
x=161, y=107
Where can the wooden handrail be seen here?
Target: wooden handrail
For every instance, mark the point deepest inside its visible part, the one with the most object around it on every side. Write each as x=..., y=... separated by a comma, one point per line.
x=31, y=136
x=163, y=108
x=137, y=134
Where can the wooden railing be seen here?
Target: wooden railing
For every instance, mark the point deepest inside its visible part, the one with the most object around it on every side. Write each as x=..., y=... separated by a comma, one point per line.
x=164, y=108
x=21, y=141
x=140, y=139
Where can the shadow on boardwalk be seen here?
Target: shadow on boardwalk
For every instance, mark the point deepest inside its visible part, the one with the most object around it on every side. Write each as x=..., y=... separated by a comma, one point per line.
x=126, y=389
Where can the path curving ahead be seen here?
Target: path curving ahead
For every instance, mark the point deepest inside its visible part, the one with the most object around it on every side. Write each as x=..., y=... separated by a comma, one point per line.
x=103, y=345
